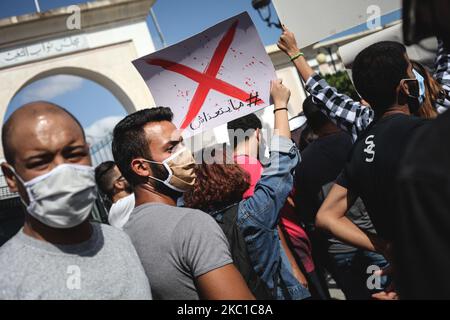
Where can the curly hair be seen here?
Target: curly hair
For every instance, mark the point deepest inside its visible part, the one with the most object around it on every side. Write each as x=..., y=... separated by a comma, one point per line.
x=217, y=186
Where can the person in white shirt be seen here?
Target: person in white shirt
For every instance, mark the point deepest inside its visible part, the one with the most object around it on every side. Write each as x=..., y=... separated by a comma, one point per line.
x=120, y=211
x=118, y=192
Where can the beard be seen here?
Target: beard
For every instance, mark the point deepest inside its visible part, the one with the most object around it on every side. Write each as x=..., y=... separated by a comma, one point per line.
x=160, y=172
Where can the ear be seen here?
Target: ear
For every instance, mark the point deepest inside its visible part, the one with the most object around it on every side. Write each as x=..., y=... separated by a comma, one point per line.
x=141, y=168
x=10, y=177
x=403, y=92
x=404, y=88
x=118, y=185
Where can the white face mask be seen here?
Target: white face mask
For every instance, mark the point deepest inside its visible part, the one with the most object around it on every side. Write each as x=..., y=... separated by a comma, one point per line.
x=62, y=198
x=181, y=169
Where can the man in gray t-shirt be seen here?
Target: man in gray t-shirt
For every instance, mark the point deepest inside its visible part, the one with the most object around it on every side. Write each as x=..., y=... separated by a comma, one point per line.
x=184, y=252
x=104, y=267
x=176, y=245
x=59, y=253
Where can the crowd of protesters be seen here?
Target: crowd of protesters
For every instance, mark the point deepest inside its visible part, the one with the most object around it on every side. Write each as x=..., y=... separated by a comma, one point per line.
x=363, y=198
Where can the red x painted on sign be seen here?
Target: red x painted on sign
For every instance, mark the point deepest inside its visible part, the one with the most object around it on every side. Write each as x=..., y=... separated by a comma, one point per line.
x=208, y=79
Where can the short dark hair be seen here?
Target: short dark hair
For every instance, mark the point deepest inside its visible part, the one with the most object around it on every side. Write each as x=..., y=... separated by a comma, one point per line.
x=377, y=72
x=130, y=142
x=104, y=177
x=311, y=109
x=6, y=129
x=248, y=122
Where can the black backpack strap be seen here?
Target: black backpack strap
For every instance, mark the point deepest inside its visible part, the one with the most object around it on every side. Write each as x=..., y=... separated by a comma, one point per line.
x=227, y=220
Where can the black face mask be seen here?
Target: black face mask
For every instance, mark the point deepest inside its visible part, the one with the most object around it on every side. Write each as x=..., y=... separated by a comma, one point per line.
x=412, y=99
x=413, y=104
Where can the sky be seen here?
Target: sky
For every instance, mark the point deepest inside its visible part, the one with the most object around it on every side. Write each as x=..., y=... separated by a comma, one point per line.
x=92, y=104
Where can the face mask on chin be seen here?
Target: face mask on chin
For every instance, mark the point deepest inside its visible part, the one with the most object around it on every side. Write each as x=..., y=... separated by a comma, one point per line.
x=62, y=198
x=180, y=167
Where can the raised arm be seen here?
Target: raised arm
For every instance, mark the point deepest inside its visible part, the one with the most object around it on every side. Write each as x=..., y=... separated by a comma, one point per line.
x=280, y=96
x=442, y=75
x=348, y=114
x=263, y=208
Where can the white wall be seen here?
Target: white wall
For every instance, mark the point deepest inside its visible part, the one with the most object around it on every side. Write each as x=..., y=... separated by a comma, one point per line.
x=137, y=32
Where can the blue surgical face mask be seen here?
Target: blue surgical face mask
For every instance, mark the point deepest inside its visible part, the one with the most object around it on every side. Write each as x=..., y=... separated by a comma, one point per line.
x=421, y=81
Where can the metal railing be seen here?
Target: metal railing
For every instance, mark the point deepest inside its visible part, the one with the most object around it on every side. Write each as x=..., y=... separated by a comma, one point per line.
x=4, y=190
x=101, y=151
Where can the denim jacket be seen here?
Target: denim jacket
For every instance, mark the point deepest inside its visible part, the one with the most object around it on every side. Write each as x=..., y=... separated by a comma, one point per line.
x=258, y=218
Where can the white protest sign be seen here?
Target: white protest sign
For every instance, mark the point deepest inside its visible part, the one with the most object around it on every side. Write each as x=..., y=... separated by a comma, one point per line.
x=314, y=20
x=212, y=78
x=349, y=51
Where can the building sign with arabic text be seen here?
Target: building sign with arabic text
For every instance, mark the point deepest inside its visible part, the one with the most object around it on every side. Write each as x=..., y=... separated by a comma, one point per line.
x=42, y=50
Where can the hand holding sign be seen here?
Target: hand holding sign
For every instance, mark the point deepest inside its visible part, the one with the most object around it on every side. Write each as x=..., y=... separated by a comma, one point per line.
x=280, y=94
x=288, y=43
x=225, y=67
x=326, y=18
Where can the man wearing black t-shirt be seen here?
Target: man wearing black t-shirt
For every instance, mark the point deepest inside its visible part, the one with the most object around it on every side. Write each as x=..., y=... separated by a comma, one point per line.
x=322, y=161
x=384, y=77
x=371, y=170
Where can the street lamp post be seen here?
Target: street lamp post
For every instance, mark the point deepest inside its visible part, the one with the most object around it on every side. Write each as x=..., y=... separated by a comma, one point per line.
x=158, y=28
x=36, y=3
x=259, y=5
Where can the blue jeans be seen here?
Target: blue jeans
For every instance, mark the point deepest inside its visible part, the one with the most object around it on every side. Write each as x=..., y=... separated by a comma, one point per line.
x=350, y=271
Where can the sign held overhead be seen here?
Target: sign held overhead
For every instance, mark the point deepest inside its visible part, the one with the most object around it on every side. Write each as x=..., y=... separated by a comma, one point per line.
x=214, y=77
x=312, y=21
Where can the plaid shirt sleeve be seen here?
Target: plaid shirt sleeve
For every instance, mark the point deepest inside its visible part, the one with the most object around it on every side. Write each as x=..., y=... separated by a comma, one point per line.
x=442, y=75
x=346, y=113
